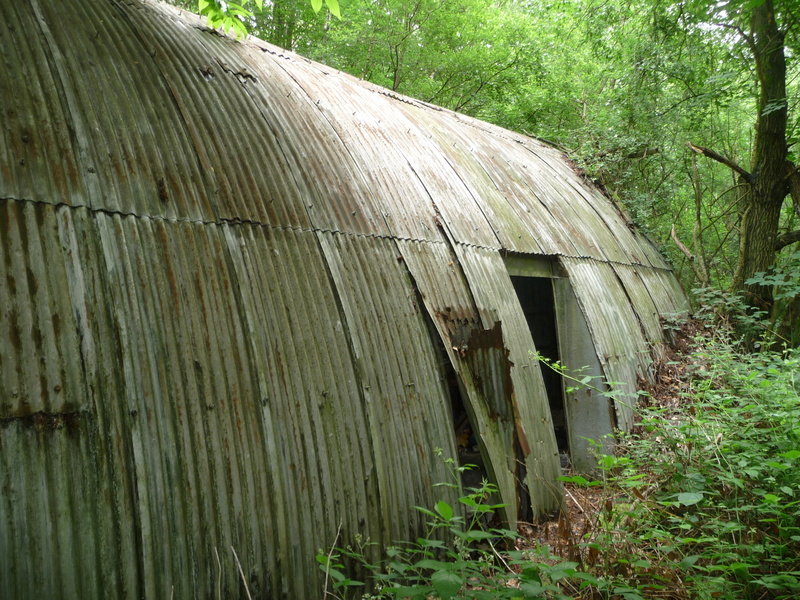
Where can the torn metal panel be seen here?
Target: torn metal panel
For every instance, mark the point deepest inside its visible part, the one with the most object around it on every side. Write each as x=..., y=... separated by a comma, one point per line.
x=476, y=354
x=618, y=338
x=496, y=300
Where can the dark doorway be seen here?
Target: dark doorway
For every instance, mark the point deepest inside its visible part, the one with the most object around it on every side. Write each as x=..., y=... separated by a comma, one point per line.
x=536, y=297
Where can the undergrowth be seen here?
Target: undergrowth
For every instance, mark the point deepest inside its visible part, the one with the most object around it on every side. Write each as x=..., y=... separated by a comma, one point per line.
x=701, y=500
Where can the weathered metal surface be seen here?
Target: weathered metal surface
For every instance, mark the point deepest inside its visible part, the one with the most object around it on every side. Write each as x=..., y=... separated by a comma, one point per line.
x=402, y=383
x=446, y=296
x=615, y=328
x=496, y=300
x=40, y=362
x=218, y=267
x=589, y=413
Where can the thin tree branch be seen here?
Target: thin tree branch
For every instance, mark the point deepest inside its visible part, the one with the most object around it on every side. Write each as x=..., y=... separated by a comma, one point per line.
x=786, y=239
x=701, y=277
x=721, y=159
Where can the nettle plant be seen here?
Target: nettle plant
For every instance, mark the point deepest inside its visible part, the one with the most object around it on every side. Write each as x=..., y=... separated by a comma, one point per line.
x=710, y=496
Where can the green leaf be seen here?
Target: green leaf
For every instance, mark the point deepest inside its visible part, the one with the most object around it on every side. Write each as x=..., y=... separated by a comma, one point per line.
x=426, y=543
x=690, y=498
x=444, y=509
x=477, y=534
x=446, y=583
x=316, y=5
x=333, y=6
x=533, y=589
x=425, y=511
x=689, y=561
x=429, y=563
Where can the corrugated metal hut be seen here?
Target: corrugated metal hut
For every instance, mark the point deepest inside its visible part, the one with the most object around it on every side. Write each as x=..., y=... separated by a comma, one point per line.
x=244, y=297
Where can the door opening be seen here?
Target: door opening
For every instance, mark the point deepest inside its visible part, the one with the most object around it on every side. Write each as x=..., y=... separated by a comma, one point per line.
x=538, y=304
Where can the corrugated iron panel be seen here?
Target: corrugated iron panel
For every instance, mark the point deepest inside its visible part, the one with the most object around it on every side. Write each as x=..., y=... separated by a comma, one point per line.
x=640, y=296
x=403, y=386
x=318, y=426
x=225, y=133
x=379, y=114
x=619, y=341
x=190, y=405
x=115, y=151
x=214, y=416
x=521, y=221
x=37, y=159
x=497, y=301
x=334, y=190
x=666, y=291
x=40, y=366
x=54, y=546
x=446, y=296
x=371, y=134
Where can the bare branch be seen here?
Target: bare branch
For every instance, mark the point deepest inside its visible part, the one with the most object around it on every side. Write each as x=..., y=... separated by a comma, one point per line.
x=786, y=239
x=722, y=160
x=701, y=276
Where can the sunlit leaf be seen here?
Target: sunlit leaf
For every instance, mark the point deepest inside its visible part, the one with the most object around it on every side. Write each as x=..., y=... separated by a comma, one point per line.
x=333, y=6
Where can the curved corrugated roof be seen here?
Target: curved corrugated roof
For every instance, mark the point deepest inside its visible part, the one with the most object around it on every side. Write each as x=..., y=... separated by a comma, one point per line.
x=231, y=280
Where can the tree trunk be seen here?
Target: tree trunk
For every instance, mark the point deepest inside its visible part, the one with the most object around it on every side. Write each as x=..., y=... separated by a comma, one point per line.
x=758, y=231
x=284, y=17
x=763, y=198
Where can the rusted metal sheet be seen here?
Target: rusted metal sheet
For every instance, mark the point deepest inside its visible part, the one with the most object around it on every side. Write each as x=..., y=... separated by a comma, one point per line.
x=496, y=300
x=40, y=360
x=228, y=126
x=36, y=162
x=445, y=294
